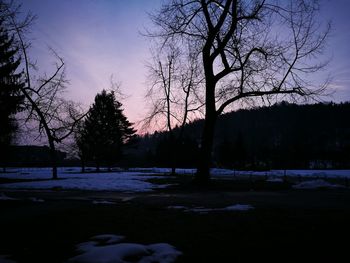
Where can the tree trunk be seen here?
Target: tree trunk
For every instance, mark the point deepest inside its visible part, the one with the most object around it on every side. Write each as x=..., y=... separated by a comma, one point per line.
x=97, y=166
x=202, y=176
x=82, y=164
x=203, y=170
x=173, y=152
x=53, y=158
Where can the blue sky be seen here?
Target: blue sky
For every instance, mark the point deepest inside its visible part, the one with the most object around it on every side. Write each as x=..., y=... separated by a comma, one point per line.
x=98, y=38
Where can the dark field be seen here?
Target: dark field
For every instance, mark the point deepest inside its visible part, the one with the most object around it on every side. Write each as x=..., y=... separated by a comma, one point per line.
x=286, y=225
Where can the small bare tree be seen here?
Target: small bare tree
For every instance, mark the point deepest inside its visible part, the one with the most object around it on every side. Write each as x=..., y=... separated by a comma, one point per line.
x=55, y=116
x=248, y=49
x=174, y=94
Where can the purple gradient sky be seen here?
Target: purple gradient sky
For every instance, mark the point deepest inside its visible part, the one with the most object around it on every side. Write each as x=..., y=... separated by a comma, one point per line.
x=101, y=38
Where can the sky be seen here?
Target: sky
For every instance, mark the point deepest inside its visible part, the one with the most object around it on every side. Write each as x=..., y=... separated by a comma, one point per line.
x=97, y=39
x=100, y=38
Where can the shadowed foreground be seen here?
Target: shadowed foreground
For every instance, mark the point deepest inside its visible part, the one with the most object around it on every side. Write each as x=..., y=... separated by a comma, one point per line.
x=284, y=226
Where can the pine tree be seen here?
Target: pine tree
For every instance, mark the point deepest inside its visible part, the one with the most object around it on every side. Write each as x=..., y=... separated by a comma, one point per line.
x=104, y=131
x=10, y=84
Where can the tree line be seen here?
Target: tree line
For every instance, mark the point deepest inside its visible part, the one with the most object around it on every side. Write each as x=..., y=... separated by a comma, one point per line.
x=283, y=136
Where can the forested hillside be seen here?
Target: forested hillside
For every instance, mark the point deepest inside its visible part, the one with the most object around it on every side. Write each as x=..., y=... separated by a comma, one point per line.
x=281, y=136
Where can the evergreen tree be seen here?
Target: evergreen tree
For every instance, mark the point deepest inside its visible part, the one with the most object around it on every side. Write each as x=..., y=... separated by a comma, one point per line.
x=10, y=84
x=104, y=131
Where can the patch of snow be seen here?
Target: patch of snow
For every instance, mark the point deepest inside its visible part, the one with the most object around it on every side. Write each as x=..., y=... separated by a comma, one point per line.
x=185, y=171
x=238, y=207
x=316, y=184
x=128, y=198
x=37, y=200
x=275, y=180
x=217, y=171
x=102, y=250
x=6, y=198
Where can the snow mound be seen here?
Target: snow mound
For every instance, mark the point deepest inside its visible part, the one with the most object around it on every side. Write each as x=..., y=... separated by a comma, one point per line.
x=107, y=249
x=316, y=184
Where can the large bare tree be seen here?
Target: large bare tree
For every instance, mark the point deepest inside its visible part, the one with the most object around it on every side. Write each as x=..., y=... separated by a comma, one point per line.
x=248, y=49
x=54, y=116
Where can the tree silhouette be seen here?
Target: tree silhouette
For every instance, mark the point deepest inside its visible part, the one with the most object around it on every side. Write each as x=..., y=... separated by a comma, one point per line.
x=248, y=49
x=11, y=83
x=281, y=136
x=104, y=131
x=174, y=78
x=54, y=116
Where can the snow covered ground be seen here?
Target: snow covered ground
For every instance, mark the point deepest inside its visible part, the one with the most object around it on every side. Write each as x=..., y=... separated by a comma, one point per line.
x=135, y=179
x=107, y=248
x=70, y=178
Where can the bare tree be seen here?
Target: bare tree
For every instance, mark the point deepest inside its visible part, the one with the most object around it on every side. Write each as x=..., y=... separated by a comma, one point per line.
x=173, y=92
x=55, y=116
x=249, y=49
x=174, y=88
